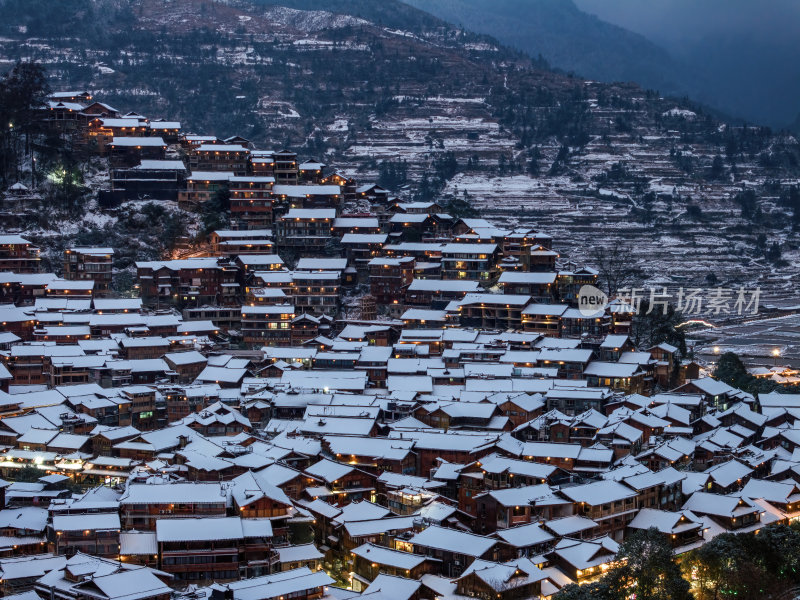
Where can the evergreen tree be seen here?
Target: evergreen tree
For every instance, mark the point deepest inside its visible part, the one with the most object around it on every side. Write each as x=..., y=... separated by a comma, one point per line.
x=561, y=160
x=748, y=565
x=774, y=252
x=533, y=161
x=731, y=370
x=648, y=567
x=597, y=590
x=657, y=326
x=22, y=95
x=717, y=168
x=748, y=204
x=216, y=211
x=461, y=207
x=694, y=212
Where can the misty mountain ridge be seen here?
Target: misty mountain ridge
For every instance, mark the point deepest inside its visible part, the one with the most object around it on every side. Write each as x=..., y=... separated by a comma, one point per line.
x=743, y=73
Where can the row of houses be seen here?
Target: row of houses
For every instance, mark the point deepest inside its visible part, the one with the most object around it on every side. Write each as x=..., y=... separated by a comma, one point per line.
x=439, y=502
x=347, y=394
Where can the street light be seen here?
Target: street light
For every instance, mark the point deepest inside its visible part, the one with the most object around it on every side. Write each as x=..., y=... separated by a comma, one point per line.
x=776, y=352
x=716, y=349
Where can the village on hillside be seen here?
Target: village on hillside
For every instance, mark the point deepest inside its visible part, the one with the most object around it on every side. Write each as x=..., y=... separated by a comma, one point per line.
x=345, y=394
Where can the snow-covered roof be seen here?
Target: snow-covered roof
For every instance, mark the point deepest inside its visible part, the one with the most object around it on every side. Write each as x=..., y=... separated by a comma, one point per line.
x=600, y=492
x=138, y=543
x=277, y=585
x=88, y=522
x=138, y=142
x=302, y=552
x=221, y=148
x=211, y=529
x=385, y=556
x=452, y=540
x=523, y=536
x=174, y=493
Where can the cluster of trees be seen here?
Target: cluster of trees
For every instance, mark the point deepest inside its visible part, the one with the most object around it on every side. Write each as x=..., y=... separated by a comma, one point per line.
x=658, y=325
x=791, y=200
x=748, y=205
x=618, y=271
x=23, y=90
x=393, y=174
x=618, y=172
x=772, y=252
x=537, y=113
x=215, y=212
x=561, y=161
x=683, y=161
x=741, y=142
x=784, y=158
x=444, y=167
x=534, y=158
x=764, y=565
x=646, y=569
x=617, y=267
x=747, y=565
x=460, y=207
x=30, y=151
x=732, y=371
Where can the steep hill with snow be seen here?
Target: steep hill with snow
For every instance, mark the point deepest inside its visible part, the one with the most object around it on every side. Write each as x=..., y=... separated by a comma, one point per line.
x=384, y=90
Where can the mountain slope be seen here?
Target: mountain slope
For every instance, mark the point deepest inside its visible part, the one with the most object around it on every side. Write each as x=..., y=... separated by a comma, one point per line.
x=388, y=13
x=438, y=113
x=737, y=56
x=567, y=38
x=748, y=50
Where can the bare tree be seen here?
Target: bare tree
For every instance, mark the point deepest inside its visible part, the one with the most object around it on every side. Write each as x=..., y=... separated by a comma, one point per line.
x=617, y=267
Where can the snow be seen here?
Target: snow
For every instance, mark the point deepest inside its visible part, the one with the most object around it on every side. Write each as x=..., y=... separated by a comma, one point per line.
x=339, y=125
x=310, y=21
x=130, y=585
x=385, y=556
x=92, y=522
x=197, y=493
x=451, y=540
x=286, y=583
x=679, y=112
x=525, y=535
x=199, y=529
x=299, y=553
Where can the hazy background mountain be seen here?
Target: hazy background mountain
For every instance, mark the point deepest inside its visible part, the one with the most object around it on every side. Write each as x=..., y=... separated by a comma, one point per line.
x=748, y=50
x=567, y=37
x=738, y=56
